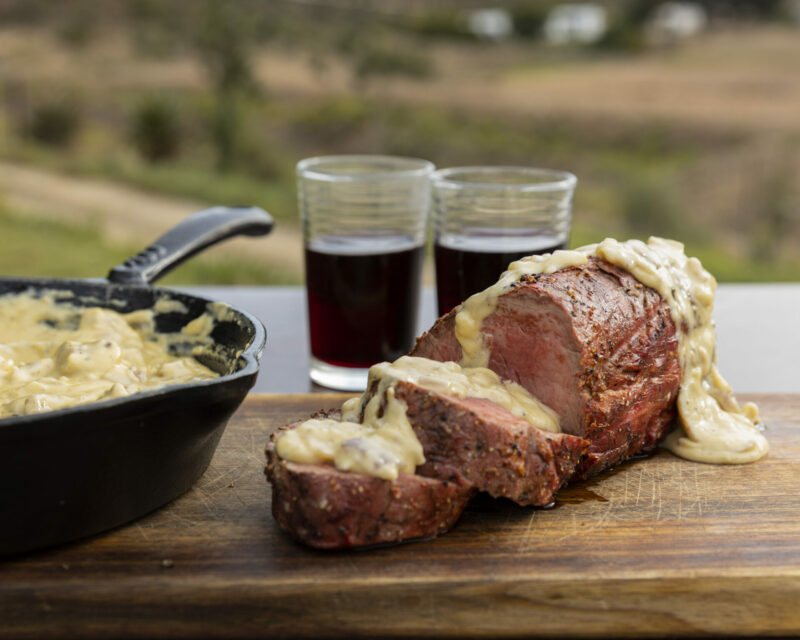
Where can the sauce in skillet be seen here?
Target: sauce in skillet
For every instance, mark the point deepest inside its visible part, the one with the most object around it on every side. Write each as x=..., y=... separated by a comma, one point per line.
x=54, y=356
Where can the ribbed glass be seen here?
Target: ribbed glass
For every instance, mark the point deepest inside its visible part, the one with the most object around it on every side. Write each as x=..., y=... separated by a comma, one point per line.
x=364, y=226
x=511, y=205
x=364, y=197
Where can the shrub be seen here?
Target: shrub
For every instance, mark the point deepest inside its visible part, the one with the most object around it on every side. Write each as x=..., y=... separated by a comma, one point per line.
x=334, y=118
x=441, y=24
x=156, y=130
x=648, y=207
x=54, y=124
x=377, y=61
x=622, y=36
x=529, y=17
x=77, y=31
x=223, y=41
x=625, y=31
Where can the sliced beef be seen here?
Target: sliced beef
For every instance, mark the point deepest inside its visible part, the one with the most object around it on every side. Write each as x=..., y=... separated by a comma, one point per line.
x=593, y=344
x=320, y=506
x=469, y=444
x=493, y=449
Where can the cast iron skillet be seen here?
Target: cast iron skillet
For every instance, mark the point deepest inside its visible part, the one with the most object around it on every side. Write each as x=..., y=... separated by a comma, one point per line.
x=75, y=472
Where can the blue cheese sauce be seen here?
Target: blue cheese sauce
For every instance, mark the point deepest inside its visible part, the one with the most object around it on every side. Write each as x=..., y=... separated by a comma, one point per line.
x=54, y=356
x=384, y=444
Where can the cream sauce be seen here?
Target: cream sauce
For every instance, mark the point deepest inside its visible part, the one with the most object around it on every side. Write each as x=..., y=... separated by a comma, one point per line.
x=480, y=306
x=450, y=378
x=54, y=356
x=384, y=444
x=715, y=429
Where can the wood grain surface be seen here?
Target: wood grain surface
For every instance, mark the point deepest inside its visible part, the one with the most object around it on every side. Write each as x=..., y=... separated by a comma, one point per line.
x=660, y=546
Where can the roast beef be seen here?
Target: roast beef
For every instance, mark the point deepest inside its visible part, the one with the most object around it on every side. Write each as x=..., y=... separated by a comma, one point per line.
x=493, y=449
x=322, y=507
x=590, y=342
x=469, y=444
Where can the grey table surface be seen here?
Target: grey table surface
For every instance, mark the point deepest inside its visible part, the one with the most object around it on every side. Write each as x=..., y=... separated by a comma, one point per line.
x=758, y=341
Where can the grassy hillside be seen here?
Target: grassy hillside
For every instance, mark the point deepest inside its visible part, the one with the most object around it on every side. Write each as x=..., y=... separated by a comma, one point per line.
x=700, y=142
x=45, y=247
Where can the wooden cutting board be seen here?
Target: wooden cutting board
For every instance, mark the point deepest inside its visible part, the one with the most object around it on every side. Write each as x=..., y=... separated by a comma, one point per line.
x=660, y=546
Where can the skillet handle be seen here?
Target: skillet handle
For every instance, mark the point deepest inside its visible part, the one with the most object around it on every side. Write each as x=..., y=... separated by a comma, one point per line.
x=191, y=235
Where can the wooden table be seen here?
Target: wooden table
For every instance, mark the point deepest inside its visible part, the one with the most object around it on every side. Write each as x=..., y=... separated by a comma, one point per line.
x=757, y=336
x=657, y=547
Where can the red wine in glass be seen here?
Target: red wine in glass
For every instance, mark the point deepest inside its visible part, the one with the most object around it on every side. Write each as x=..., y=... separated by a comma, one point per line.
x=468, y=264
x=363, y=297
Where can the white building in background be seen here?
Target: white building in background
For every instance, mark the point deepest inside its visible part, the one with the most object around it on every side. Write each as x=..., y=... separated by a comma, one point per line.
x=672, y=21
x=491, y=24
x=582, y=23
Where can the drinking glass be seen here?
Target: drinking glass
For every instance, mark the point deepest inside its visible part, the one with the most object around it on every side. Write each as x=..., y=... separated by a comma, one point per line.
x=487, y=217
x=364, y=224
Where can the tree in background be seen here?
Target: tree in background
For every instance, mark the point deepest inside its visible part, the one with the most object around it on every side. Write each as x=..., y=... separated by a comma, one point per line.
x=778, y=210
x=156, y=129
x=223, y=40
x=54, y=123
x=529, y=17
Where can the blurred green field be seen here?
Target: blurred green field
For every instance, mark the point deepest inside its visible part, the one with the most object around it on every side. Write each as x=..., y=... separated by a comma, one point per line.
x=629, y=184
x=50, y=248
